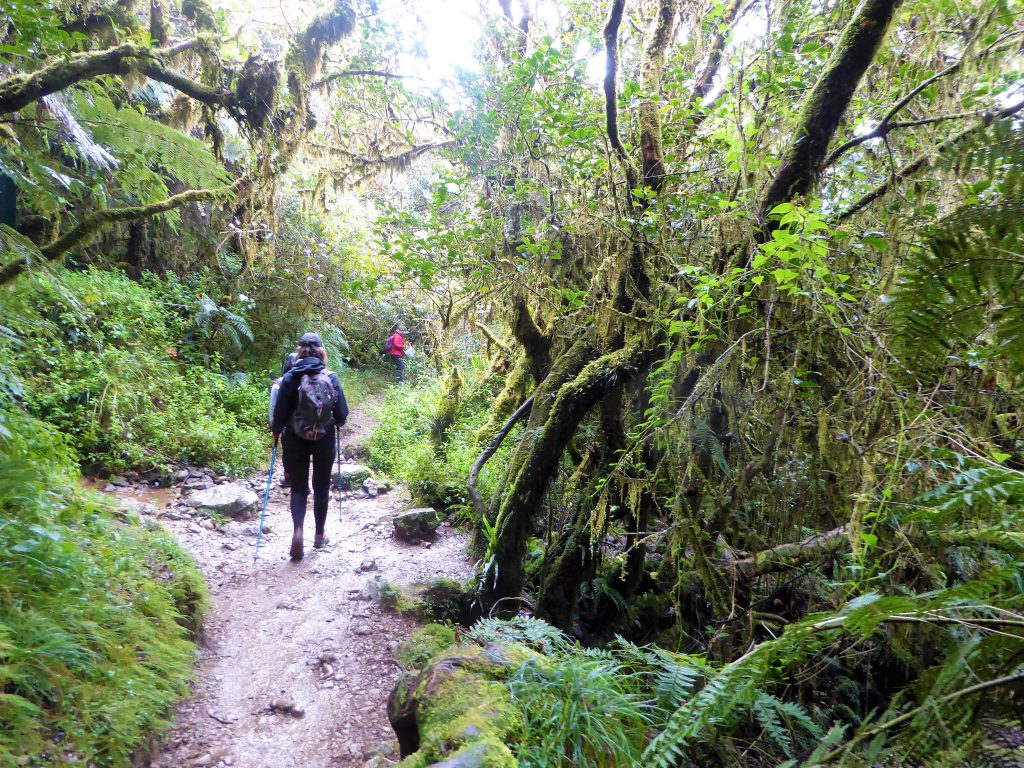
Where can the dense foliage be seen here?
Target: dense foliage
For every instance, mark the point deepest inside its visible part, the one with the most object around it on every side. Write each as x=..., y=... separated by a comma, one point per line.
x=95, y=616
x=725, y=351
x=131, y=372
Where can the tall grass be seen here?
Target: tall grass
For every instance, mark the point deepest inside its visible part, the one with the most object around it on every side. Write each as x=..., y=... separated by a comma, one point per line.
x=94, y=613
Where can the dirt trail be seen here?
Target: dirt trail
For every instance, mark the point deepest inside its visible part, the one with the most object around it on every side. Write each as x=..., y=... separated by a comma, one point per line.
x=301, y=636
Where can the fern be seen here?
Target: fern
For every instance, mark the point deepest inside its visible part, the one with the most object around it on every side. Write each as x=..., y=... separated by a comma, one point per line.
x=524, y=630
x=963, y=294
x=148, y=150
x=218, y=320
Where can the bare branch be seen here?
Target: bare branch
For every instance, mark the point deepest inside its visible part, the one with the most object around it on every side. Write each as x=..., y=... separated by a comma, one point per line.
x=611, y=112
x=925, y=160
x=494, y=445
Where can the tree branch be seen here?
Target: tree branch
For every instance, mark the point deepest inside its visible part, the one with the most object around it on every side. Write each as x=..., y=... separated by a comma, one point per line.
x=92, y=223
x=787, y=556
x=492, y=447
x=925, y=160
x=652, y=160
x=611, y=111
x=536, y=343
x=21, y=90
x=331, y=77
x=707, y=78
x=886, y=125
x=827, y=102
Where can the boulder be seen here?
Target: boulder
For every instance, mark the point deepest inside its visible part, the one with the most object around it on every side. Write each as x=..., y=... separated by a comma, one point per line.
x=417, y=524
x=229, y=499
x=351, y=476
x=458, y=709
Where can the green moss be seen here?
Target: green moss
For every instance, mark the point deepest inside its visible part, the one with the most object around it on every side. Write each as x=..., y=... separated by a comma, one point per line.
x=419, y=649
x=468, y=712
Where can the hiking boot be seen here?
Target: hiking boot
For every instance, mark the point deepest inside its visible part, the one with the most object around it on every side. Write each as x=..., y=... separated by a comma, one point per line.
x=296, y=550
x=286, y=482
x=320, y=541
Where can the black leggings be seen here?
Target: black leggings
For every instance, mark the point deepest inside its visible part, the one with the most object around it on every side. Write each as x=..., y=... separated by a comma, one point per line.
x=298, y=452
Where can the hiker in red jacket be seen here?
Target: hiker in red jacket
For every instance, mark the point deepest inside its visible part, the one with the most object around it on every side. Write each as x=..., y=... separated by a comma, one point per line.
x=394, y=348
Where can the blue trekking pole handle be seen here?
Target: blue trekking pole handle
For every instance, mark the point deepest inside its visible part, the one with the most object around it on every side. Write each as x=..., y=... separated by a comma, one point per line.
x=266, y=496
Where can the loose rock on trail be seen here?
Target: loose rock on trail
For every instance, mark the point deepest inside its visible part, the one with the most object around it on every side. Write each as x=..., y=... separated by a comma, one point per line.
x=296, y=659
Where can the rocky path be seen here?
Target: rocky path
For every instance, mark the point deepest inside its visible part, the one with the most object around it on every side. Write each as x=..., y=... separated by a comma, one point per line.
x=296, y=659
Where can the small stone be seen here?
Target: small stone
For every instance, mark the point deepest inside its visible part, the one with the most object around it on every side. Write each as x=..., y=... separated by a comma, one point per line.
x=207, y=523
x=362, y=630
x=229, y=499
x=356, y=750
x=426, y=545
x=286, y=707
x=372, y=590
x=393, y=646
x=328, y=657
x=120, y=481
x=109, y=488
x=367, y=565
x=181, y=474
x=230, y=546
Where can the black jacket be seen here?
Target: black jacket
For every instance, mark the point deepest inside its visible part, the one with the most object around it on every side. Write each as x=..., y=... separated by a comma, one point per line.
x=288, y=395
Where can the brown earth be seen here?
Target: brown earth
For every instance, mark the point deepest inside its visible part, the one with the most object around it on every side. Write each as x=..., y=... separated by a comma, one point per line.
x=295, y=663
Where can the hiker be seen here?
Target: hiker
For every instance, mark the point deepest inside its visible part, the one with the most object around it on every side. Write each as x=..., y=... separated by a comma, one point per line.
x=394, y=348
x=309, y=411
x=286, y=366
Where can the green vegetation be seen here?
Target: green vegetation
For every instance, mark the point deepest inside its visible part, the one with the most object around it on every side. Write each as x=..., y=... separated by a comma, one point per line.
x=95, y=614
x=406, y=446
x=131, y=372
x=735, y=336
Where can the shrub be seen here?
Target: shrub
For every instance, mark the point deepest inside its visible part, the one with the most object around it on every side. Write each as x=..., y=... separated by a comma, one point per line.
x=401, y=446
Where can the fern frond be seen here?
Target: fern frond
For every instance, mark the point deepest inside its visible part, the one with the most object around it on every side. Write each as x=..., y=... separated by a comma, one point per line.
x=963, y=295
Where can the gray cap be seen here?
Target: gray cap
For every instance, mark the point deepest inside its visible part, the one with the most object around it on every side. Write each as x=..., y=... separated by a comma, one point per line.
x=310, y=340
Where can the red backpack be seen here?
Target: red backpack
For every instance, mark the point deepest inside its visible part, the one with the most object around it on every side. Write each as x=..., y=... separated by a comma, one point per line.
x=397, y=345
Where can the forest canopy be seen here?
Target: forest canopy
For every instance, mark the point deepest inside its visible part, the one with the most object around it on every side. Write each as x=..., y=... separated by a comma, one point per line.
x=721, y=306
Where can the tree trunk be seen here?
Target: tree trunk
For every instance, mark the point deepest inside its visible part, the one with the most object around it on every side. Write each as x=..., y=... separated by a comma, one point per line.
x=540, y=452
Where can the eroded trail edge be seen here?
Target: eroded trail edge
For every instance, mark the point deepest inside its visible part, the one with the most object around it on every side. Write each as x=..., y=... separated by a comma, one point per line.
x=296, y=659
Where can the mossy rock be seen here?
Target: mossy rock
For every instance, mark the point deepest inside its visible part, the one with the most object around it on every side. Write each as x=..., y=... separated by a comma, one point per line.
x=458, y=712
x=421, y=647
x=439, y=600
x=351, y=476
x=417, y=525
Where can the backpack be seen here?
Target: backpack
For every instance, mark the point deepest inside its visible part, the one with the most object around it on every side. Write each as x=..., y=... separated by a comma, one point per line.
x=314, y=409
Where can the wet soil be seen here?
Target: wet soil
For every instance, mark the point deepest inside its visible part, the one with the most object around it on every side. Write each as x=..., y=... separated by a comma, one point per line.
x=295, y=662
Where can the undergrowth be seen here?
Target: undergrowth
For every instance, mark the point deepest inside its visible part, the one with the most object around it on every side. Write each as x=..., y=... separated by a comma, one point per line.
x=401, y=446
x=95, y=613
x=136, y=374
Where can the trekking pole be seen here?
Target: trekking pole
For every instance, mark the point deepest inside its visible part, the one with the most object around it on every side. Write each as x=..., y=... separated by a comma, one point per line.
x=337, y=442
x=266, y=497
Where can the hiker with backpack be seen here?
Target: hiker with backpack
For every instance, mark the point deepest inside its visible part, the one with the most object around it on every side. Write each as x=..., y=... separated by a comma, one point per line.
x=309, y=410
x=394, y=348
